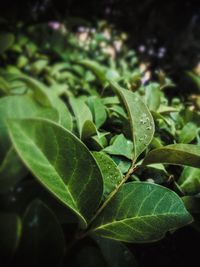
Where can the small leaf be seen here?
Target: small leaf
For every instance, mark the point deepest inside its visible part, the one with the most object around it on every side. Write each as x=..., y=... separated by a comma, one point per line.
x=61, y=162
x=141, y=212
x=83, y=117
x=6, y=41
x=153, y=96
x=188, y=133
x=121, y=147
x=42, y=241
x=111, y=174
x=141, y=121
x=98, y=110
x=189, y=180
x=179, y=154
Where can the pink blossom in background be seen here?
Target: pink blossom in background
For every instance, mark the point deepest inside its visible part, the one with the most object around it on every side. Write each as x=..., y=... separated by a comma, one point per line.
x=55, y=25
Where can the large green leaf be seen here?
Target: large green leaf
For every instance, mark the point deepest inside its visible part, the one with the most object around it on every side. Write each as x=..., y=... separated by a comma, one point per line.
x=188, y=133
x=179, y=154
x=189, y=180
x=43, y=242
x=110, y=172
x=142, y=124
x=141, y=212
x=61, y=162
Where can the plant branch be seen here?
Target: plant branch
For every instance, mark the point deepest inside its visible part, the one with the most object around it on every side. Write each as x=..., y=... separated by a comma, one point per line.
x=112, y=194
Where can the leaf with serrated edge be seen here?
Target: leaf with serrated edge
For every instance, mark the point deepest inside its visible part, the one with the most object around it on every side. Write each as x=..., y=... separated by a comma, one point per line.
x=61, y=162
x=142, y=124
x=141, y=212
x=179, y=154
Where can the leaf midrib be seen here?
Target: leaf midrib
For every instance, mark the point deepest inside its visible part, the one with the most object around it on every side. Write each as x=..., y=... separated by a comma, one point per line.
x=137, y=218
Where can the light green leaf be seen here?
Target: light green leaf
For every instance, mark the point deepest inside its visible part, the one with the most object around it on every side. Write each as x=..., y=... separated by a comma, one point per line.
x=189, y=180
x=10, y=234
x=141, y=212
x=4, y=86
x=47, y=98
x=188, y=133
x=153, y=96
x=179, y=154
x=83, y=115
x=121, y=147
x=98, y=110
x=111, y=174
x=141, y=121
x=6, y=40
x=43, y=242
x=61, y=162
x=12, y=170
x=19, y=107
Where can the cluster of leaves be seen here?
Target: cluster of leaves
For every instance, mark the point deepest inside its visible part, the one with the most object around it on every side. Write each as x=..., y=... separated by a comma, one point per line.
x=102, y=154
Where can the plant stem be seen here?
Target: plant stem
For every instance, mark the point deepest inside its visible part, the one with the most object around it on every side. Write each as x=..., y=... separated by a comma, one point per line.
x=112, y=194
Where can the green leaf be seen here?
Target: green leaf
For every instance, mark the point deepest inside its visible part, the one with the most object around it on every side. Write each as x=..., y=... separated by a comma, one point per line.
x=6, y=40
x=188, y=133
x=12, y=170
x=19, y=107
x=189, y=180
x=141, y=212
x=141, y=121
x=115, y=253
x=111, y=174
x=83, y=115
x=195, y=78
x=61, y=162
x=121, y=147
x=43, y=242
x=98, y=110
x=153, y=96
x=4, y=86
x=10, y=233
x=179, y=154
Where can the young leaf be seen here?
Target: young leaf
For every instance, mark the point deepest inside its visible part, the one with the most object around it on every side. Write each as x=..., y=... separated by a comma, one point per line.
x=141, y=120
x=42, y=241
x=83, y=115
x=61, y=162
x=188, y=133
x=121, y=147
x=111, y=174
x=189, y=181
x=179, y=154
x=141, y=212
x=98, y=110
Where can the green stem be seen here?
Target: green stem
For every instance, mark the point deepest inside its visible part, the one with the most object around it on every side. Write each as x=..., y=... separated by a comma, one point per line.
x=112, y=194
